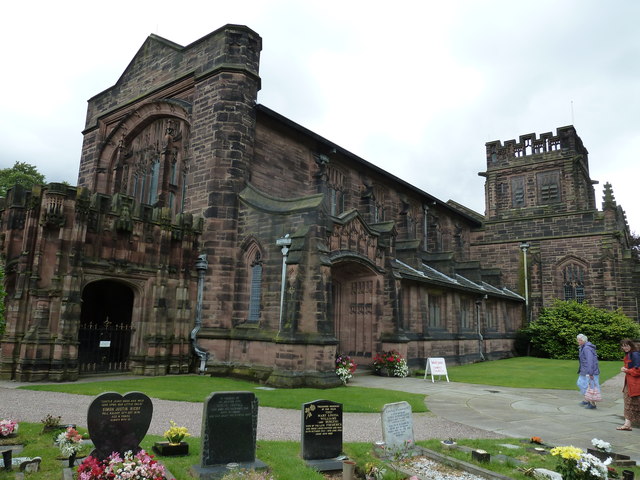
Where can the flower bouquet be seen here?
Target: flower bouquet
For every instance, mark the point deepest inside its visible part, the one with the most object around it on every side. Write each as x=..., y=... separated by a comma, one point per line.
x=345, y=367
x=8, y=427
x=174, y=444
x=574, y=464
x=601, y=445
x=69, y=442
x=392, y=362
x=140, y=466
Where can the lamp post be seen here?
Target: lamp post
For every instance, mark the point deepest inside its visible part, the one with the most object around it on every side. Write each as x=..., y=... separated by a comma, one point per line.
x=524, y=246
x=284, y=243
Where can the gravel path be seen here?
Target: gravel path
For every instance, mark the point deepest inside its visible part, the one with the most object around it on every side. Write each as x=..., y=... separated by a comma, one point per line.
x=273, y=423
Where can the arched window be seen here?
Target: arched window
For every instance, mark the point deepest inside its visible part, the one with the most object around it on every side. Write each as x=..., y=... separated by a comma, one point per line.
x=573, y=282
x=255, y=285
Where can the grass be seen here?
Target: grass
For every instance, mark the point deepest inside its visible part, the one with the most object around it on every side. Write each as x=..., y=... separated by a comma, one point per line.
x=527, y=372
x=196, y=388
x=283, y=458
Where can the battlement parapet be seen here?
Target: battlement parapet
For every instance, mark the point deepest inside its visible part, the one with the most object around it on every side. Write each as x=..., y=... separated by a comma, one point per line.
x=565, y=140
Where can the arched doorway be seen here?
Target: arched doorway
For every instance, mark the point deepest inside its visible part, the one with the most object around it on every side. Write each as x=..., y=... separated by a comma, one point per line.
x=355, y=303
x=105, y=327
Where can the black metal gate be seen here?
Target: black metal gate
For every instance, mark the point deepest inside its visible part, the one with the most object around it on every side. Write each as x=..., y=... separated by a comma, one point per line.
x=104, y=347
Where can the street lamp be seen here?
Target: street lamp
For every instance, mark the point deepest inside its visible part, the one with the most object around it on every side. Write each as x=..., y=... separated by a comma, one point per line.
x=524, y=246
x=284, y=243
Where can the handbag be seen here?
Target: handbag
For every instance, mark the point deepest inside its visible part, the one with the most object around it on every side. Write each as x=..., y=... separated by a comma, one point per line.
x=593, y=393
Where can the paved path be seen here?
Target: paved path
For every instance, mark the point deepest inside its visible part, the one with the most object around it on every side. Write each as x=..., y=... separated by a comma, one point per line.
x=458, y=410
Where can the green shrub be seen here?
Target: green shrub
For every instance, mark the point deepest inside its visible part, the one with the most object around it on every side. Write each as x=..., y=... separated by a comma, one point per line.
x=553, y=334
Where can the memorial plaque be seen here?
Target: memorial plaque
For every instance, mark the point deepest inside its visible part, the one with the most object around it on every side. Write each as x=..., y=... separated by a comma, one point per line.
x=229, y=428
x=321, y=430
x=118, y=423
x=397, y=424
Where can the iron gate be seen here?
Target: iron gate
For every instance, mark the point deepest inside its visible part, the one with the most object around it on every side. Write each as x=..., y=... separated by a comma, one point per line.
x=104, y=347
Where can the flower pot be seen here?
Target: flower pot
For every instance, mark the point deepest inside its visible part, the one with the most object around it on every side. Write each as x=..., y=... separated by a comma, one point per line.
x=169, y=450
x=448, y=444
x=384, y=372
x=72, y=460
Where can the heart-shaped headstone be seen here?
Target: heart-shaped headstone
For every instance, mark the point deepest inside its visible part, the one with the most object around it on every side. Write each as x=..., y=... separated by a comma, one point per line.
x=118, y=423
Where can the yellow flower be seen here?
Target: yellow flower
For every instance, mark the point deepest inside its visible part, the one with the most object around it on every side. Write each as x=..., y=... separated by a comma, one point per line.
x=568, y=453
x=176, y=434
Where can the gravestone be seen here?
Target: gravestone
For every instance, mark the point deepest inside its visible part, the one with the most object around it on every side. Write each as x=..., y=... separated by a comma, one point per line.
x=118, y=423
x=322, y=435
x=397, y=425
x=229, y=429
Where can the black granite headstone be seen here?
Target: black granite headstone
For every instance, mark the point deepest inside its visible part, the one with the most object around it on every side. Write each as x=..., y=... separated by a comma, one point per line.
x=118, y=423
x=321, y=430
x=229, y=426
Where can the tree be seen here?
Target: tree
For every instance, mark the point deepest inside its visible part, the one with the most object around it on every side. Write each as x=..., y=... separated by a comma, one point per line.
x=22, y=174
x=553, y=334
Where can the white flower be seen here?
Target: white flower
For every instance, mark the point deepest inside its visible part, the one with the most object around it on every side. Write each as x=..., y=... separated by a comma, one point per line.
x=601, y=445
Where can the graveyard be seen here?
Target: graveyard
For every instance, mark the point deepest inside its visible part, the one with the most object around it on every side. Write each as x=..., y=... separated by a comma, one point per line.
x=117, y=418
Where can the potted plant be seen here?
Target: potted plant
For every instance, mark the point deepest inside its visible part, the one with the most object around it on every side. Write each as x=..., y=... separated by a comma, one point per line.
x=390, y=364
x=174, y=445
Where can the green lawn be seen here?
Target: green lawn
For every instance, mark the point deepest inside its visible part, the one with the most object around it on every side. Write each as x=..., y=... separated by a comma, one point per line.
x=527, y=372
x=196, y=388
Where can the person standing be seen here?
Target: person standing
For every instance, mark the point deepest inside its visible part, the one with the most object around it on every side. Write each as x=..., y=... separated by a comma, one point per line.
x=631, y=388
x=589, y=370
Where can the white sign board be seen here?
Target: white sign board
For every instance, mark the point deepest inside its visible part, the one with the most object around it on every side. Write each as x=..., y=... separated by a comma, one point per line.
x=435, y=366
x=105, y=343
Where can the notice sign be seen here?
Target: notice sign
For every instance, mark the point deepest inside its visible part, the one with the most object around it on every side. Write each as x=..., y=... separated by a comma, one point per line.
x=435, y=366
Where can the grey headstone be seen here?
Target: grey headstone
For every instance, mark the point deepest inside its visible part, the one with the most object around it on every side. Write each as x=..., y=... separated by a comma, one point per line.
x=321, y=430
x=229, y=428
x=397, y=425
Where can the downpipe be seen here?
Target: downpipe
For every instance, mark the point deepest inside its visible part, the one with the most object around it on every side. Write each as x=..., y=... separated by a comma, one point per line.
x=203, y=355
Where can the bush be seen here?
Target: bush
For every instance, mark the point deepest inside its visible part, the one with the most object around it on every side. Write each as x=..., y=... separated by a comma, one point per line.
x=554, y=332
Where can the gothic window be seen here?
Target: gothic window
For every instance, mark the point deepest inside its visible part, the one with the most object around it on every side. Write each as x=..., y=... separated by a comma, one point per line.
x=548, y=187
x=153, y=184
x=465, y=314
x=517, y=192
x=435, y=305
x=335, y=191
x=490, y=317
x=255, y=285
x=153, y=168
x=573, y=283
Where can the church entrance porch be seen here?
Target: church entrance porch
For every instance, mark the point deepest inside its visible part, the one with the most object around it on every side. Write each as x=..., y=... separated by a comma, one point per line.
x=105, y=327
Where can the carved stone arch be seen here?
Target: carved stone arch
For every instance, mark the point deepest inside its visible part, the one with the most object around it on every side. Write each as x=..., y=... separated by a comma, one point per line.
x=113, y=157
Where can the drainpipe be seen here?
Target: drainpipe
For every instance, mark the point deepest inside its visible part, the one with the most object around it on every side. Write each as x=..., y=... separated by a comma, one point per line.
x=524, y=246
x=284, y=243
x=201, y=267
x=480, y=337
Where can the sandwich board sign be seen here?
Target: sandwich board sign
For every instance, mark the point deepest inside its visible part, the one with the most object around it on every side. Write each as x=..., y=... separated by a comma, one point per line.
x=436, y=366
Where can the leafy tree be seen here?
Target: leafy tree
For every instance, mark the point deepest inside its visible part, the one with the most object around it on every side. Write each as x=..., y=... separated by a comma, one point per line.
x=553, y=334
x=20, y=174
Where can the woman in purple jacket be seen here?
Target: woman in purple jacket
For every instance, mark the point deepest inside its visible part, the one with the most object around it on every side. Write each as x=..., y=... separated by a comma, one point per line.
x=589, y=371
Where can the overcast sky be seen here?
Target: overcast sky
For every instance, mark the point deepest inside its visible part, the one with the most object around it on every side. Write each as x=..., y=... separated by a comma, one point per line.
x=415, y=87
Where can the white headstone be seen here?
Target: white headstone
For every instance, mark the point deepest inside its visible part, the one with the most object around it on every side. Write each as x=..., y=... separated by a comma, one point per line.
x=397, y=425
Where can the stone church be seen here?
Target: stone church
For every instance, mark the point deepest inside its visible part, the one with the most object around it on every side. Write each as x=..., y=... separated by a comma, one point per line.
x=208, y=233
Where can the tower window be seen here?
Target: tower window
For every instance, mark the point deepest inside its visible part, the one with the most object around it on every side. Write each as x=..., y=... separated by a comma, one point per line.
x=573, y=283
